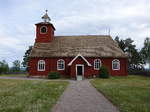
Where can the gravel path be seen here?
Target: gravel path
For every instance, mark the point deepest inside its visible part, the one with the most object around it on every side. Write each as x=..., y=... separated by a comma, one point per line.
x=19, y=78
x=81, y=96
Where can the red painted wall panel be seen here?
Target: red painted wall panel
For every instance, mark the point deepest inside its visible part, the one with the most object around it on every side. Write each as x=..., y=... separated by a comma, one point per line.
x=70, y=71
x=44, y=38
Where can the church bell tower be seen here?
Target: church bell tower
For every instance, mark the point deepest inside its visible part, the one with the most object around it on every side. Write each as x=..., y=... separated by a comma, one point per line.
x=44, y=30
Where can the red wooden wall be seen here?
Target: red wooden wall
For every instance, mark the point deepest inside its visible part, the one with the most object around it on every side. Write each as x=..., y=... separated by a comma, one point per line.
x=70, y=71
x=46, y=37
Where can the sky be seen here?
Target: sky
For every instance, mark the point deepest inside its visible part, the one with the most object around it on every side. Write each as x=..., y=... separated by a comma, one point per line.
x=124, y=18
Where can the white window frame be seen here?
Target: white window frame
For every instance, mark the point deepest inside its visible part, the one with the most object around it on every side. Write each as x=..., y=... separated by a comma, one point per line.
x=95, y=64
x=116, y=60
x=62, y=63
x=41, y=63
x=41, y=29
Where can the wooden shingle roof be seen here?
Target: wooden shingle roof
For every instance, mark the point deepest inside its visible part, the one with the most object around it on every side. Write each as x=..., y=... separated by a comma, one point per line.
x=71, y=46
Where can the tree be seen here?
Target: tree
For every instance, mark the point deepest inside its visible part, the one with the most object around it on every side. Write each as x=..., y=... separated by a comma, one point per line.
x=134, y=57
x=26, y=57
x=4, y=68
x=145, y=51
x=121, y=43
x=16, y=66
x=135, y=60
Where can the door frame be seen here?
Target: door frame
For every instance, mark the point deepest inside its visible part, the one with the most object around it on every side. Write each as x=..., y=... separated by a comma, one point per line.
x=82, y=70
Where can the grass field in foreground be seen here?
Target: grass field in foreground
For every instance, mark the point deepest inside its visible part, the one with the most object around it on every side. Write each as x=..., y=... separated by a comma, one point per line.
x=130, y=94
x=13, y=75
x=29, y=96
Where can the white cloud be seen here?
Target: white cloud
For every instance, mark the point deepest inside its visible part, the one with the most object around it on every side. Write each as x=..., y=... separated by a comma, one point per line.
x=125, y=18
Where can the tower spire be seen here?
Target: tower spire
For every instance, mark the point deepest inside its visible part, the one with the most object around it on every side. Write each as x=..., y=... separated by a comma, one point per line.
x=46, y=18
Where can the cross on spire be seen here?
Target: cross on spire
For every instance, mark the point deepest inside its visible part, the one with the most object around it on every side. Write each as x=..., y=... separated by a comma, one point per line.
x=46, y=18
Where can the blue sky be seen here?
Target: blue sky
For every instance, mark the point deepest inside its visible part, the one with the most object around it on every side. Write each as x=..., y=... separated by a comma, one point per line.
x=125, y=18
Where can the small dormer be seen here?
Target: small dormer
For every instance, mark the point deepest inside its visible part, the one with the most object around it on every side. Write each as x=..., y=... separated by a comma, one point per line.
x=44, y=30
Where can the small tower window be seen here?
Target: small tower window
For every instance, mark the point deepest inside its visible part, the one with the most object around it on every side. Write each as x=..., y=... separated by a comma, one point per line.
x=43, y=29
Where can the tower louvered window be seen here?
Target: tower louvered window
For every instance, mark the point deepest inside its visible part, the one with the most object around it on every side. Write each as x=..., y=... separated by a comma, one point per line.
x=43, y=29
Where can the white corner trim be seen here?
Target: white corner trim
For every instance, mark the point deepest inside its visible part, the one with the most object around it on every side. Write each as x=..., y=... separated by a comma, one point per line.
x=79, y=55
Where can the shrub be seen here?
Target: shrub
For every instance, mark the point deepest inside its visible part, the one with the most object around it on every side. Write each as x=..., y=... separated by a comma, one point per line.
x=53, y=75
x=104, y=73
x=144, y=72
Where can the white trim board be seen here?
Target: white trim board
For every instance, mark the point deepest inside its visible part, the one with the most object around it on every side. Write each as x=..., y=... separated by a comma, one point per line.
x=79, y=55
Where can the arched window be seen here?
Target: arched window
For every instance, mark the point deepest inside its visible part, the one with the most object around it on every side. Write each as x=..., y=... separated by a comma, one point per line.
x=41, y=65
x=97, y=64
x=43, y=29
x=60, y=64
x=116, y=64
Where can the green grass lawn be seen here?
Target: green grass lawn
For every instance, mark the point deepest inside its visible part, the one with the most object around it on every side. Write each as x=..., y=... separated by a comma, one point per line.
x=29, y=95
x=13, y=75
x=130, y=94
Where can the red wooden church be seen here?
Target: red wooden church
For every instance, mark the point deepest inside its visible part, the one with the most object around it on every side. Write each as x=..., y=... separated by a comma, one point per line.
x=74, y=56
